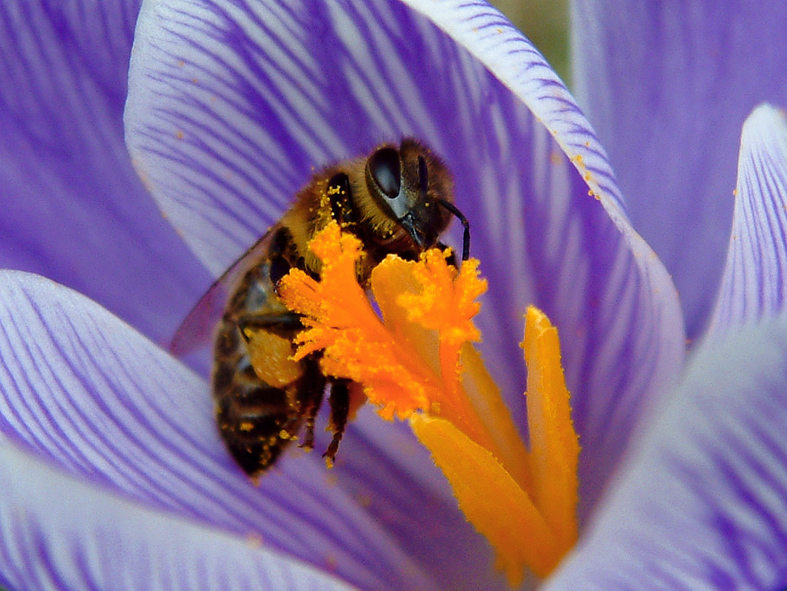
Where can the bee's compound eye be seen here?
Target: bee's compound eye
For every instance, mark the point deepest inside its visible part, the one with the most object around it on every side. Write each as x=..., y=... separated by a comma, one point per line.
x=385, y=170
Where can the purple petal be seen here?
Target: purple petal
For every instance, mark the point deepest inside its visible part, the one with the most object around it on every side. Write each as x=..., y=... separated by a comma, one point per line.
x=755, y=276
x=668, y=86
x=72, y=207
x=59, y=532
x=702, y=501
x=84, y=391
x=231, y=108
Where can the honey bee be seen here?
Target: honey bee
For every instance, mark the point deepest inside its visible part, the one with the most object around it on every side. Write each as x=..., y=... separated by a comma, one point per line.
x=396, y=200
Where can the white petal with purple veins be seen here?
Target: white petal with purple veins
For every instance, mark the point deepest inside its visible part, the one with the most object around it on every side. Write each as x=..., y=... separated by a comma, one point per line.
x=89, y=394
x=667, y=85
x=60, y=532
x=72, y=207
x=754, y=284
x=701, y=503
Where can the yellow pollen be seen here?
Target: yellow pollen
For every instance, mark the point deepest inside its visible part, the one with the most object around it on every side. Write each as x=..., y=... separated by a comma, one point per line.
x=418, y=363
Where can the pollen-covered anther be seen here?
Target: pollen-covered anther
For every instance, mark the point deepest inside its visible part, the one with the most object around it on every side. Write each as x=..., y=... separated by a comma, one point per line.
x=341, y=322
x=446, y=301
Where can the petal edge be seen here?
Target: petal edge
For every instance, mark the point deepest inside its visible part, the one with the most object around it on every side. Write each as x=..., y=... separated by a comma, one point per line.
x=754, y=283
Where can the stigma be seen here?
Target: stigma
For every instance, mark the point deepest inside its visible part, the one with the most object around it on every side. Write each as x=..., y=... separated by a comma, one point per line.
x=415, y=361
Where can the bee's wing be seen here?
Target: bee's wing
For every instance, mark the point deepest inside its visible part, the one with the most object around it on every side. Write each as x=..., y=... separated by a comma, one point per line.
x=197, y=328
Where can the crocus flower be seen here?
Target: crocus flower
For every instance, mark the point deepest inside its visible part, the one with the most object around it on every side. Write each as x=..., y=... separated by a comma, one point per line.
x=112, y=473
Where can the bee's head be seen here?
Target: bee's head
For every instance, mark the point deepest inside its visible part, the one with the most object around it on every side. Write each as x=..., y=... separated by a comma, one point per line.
x=414, y=189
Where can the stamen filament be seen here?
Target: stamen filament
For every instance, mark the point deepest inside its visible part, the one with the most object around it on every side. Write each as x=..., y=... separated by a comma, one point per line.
x=484, y=395
x=491, y=500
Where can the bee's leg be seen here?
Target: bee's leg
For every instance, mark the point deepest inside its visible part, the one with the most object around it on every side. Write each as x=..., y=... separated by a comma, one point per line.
x=252, y=322
x=454, y=210
x=340, y=410
x=305, y=394
x=313, y=392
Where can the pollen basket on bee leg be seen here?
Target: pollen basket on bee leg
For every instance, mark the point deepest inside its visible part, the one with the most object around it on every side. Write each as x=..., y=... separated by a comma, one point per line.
x=270, y=357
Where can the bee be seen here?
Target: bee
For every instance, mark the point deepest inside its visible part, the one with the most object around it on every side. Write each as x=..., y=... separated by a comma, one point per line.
x=397, y=200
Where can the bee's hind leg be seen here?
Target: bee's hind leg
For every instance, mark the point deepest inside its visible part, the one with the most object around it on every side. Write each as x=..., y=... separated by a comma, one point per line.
x=340, y=411
x=289, y=321
x=312, y=395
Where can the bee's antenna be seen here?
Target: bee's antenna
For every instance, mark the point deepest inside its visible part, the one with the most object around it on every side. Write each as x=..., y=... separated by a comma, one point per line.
x=465, y=224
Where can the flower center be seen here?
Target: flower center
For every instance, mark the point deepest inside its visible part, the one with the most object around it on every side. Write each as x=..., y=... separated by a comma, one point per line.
x=417, y=363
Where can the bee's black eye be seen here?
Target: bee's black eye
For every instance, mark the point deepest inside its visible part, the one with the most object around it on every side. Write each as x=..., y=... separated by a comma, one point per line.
x=423, y=174
x=384, y=166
